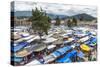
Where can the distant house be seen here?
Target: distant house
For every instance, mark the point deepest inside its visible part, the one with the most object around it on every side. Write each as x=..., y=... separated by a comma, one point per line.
x=88, y=23
x=21, y=22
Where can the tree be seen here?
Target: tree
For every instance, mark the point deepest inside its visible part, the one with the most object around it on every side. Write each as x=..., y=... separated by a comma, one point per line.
x=74, y=20
x=57, y=21
x=40, y=22
x=69, y=23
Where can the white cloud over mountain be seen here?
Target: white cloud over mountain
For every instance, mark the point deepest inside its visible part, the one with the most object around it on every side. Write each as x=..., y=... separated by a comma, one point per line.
x=54, y=8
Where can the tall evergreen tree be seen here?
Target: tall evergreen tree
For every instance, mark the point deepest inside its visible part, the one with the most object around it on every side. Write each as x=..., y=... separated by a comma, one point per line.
x=69, y=24
x=57, y=21
x=40, y=23
x=74, y=20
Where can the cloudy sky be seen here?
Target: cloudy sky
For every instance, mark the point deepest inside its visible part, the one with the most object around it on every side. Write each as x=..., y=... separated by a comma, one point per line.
x=54, y=8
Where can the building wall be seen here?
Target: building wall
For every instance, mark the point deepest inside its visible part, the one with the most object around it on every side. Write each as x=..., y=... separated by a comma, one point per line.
x=22, y=22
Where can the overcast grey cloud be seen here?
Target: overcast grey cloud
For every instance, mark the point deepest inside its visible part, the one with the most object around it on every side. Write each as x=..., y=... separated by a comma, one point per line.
x=54, y=8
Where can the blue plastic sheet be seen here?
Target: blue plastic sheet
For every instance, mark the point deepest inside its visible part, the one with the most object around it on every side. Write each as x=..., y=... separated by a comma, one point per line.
x=64, y=60
x=16, y=59
x=61, y=51
x=67, y=57
x=18, y=47
x=87, y=42
x=89, y=33
x=56, y=53
x=91, y=41
x=80, y=54
x=64, y=49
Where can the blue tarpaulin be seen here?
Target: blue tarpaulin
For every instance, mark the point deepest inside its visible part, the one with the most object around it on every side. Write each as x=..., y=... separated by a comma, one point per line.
x=61, y=51
x=89, y=33
x=94, y=40
x=80, y=54
x=75, y=38
x=64, y=60
x=91, y=41
x=66, y=42
x=56, y=53
x=16, y=59
x=87, y=42
x=18, y=47
x=67, y=57
x=78, y=32
x=64, y=49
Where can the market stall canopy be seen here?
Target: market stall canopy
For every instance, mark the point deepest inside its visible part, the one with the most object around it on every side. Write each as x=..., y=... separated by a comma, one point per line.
x=67, y=35
x=23, y=53
x=71, y=54
x=76, y=38
x=39, y=47
x=49, y=40
x=56, y=54
x=80, y=35
x=85, y=47
x=66, y=42
x=70, y=39
x=84, y=39
x=33, y=62
x=29, y=49
x=15, y=36
x=81, y=28
x=49, y=58
x=88, y=33
x=19, y=46
x=67, y=57
x=23, y=34
x=32, y=39
x=19, y=40
x=93, y=32
x=64, y=49
x=80, y=54
x=91, y=42
x=87, y=42
x=16, y=59
x=58, y=42
x=69, y=31
x=64, y=60
x=51, y=46
x=61, y=51
x=25, y=38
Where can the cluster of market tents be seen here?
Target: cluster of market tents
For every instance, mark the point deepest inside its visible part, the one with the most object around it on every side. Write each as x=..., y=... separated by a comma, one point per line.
x=87, y=41
x=22, y=47
x=67, y=56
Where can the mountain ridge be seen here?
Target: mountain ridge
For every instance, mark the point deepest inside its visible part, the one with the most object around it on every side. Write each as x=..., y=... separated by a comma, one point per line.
x=82, y=16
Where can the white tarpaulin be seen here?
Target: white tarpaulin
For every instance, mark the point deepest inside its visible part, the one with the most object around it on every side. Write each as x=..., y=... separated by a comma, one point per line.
x=51, y=46
x=33, y=62
x=84, y=39
x=37, y=37
x=49, y=40
x=26, y=38
x=48, y=58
